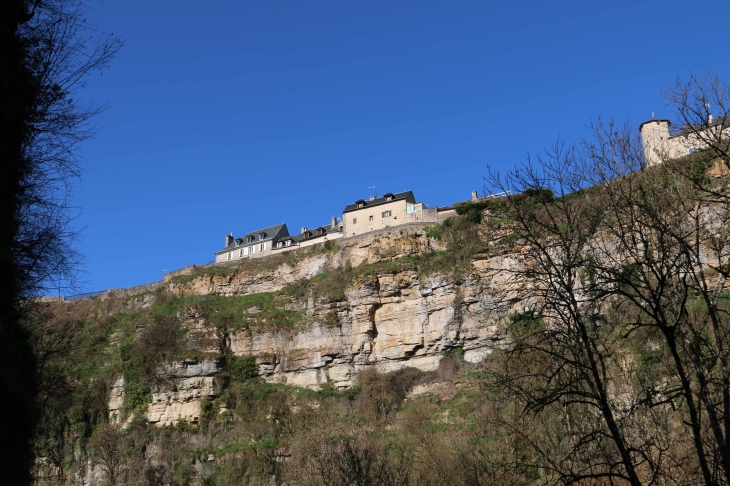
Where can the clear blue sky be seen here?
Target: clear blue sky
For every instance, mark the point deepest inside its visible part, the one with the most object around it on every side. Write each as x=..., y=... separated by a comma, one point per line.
x=230, y=116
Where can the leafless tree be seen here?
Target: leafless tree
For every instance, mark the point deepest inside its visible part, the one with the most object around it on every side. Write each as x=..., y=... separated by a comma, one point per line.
x=700, y=103
x=47, y=51
x=108, y=451
x=562, y=355
x=625, y=327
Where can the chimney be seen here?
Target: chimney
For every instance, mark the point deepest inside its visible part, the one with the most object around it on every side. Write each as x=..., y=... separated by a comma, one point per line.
x=334, y=222
x=709, y=118
x=304, y=228
x=372, y=198
x=229, y=239
x=474, y=196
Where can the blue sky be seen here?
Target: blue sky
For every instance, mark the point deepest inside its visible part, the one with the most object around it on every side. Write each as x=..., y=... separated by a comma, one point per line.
x=232, y=116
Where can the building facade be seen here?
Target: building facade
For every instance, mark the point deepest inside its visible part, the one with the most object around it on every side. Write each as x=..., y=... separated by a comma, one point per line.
x=661, y=145
x=255, y=244
x=377, y=213
x=309, y=237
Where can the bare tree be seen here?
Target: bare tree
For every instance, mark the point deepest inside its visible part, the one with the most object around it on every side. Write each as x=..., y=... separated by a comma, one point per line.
x=107, y=450
x=700, y=104
x=563, y=353
x=47, y=51
x=625, y=328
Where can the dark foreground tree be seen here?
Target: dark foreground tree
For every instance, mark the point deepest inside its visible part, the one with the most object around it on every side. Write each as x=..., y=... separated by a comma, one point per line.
x=47, y=51
x=621, y=353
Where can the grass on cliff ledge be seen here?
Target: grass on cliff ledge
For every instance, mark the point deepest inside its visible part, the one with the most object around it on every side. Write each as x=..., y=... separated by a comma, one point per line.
x=464, y=240
x=254, y=266
x=264, y=311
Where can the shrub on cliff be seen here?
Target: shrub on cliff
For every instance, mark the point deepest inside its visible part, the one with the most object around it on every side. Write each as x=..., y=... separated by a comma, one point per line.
x=243, y=368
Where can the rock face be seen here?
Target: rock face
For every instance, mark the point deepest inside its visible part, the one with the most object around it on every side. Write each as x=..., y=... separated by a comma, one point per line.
x=387, y=320
x=268, y=276
x=116, y=400
x=181, y=387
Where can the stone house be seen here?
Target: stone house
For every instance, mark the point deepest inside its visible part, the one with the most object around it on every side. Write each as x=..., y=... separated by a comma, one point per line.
x=377, y=213
x=255, y=244
x=660, y=144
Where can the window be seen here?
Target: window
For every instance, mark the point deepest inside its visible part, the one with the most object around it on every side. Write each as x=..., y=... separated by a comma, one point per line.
x=278, y=245
x=388, y=198
x=240, y=253
x=361, y=205
x=386, y=214
x=320, y=231
x=261, y=236
x=371, y=218
x=249, y=239
x=229, y=255
x=410, y=208
x=249, y=250
x=354, y=220
x=288, y=242
x=262, y=247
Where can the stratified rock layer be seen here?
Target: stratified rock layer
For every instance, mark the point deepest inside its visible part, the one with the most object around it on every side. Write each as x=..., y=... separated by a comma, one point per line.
x=387, y=320
x=178, y=395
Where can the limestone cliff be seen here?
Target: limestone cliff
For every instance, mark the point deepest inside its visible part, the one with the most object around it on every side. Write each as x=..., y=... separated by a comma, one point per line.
x=386, y=317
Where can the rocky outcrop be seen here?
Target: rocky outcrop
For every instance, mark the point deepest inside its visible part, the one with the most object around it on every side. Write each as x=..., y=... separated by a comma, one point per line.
x=181, y=387
x=387, y=320
x=272, y=274
x=116, y=400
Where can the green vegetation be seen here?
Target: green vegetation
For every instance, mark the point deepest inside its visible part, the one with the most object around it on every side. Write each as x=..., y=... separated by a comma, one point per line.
x=254, y=311
x=243, y=369
x=435, y=231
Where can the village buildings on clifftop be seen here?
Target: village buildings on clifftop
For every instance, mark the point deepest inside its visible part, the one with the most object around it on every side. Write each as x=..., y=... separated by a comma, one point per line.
x=360, y=217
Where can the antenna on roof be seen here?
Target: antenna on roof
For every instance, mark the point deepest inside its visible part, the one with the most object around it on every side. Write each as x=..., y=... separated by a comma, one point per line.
x=375, y=189
x=652, y=114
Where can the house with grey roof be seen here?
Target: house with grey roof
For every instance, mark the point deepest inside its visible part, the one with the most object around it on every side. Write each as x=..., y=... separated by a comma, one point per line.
x=254, y=244
x=379, y=212
x=311, y=236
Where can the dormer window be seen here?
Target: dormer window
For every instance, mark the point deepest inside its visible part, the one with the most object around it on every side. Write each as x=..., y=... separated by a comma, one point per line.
x=388, y=197
x=361, y=204
x=279, y=245
x=249, y=239
x=320, y=231
x=262, y=236
x=288, y=242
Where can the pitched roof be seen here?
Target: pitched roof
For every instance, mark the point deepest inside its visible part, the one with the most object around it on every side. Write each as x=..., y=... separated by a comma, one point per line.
x=269, y=234
x=328, y=229
x=407, y=196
